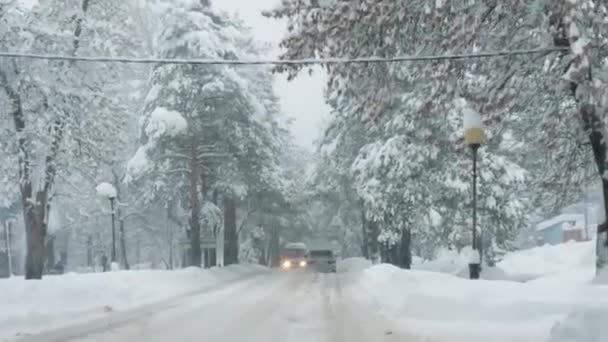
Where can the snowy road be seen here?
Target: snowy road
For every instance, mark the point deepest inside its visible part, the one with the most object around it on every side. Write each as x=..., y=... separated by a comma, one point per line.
x=277, y=306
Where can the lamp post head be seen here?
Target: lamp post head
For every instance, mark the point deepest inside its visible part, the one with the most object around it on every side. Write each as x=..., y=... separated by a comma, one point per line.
x=106, y=190
x=474, y=133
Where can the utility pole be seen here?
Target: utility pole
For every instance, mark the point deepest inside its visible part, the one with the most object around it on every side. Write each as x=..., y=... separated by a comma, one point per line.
x=8, y=228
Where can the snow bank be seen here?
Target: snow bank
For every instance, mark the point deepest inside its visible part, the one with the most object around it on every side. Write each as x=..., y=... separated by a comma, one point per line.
x=568, y=258
x=572, y=262
x=447, y=261
x=32, y=306
x=582, y=326
x=443, y=307
x=351, y=265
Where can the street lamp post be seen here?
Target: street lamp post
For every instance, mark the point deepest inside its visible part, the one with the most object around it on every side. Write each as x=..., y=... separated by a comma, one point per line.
x=113, y=256
x=474, y=136
x=108, y=191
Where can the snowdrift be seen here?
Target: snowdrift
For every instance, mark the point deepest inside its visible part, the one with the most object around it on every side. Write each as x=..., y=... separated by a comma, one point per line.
x=582, y=326
x=350, y=265
x=573, y=261
x=443, y=307
x=574, y=258
x=36, y=305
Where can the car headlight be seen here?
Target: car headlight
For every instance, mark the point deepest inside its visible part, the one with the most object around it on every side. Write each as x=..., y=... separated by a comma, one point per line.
x=286, y=264
x=303, y=263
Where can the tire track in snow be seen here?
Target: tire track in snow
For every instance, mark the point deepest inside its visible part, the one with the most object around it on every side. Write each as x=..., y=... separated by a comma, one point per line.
x=350, y=320
x=136, y=316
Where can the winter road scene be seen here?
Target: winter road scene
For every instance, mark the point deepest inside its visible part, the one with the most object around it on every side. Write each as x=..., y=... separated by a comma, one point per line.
x=303, y=170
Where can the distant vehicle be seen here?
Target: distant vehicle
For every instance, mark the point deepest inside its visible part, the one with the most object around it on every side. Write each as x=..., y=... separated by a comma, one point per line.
x=322, y=260
x=294, y=255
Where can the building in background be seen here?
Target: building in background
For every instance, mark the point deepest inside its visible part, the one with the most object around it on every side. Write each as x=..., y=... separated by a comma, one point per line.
x=562, y=228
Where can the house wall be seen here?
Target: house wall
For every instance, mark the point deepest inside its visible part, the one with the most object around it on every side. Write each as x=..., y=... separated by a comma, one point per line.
x=573, y=235
x=552, y=235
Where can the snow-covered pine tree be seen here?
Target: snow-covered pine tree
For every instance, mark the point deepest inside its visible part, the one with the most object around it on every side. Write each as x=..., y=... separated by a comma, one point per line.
x=207, y=130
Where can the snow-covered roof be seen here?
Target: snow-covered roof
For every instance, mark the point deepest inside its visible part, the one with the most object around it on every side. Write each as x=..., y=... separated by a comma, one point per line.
x=559, y=219
x=296, y=245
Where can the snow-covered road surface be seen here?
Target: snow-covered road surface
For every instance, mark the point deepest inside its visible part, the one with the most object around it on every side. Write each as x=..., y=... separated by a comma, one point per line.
x=277, y=306
x=361, y=303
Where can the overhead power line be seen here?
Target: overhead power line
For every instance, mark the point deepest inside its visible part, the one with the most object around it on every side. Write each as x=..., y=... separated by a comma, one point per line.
x=335, y=60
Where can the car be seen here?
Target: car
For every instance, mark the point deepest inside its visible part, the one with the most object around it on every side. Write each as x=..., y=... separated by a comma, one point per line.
x=322, y=260
x=294, y=256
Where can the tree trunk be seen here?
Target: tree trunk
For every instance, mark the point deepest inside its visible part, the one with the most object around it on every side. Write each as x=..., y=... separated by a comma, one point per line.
x=170, y=228
x=123, y=244
x=138, y=251
x=121, y=220
x=35, y=210
x=581, y=83
x=35, y=236
x=50, y=253
x=231, y=253
x=364, y=233
x=595, y=129
x=405, y=255
x=374, y=245
x=273, y=253
x=195, y=207
x=89, y=251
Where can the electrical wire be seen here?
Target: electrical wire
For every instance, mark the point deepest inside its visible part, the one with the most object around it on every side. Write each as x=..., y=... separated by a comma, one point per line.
x=335, y=60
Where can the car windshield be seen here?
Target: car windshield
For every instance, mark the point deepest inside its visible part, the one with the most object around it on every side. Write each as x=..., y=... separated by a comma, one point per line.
x=293, y=253
x=321, y=253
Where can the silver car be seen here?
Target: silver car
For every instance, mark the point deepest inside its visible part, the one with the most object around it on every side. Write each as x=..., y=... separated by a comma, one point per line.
x=322, y=260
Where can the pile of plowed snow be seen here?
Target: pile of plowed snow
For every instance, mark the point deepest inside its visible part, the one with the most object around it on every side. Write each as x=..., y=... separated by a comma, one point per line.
x=36, y=305
x=573, y=260
x=442, y=307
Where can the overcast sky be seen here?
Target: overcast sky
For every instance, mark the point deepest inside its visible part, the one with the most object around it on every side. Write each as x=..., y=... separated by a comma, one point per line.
x=302, y=99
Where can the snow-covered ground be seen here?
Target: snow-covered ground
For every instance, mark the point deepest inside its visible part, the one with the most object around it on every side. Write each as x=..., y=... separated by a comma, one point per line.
x=30, y=306
x=443, y=307
x=573, y=260
x=361, y=303
x=545, y=294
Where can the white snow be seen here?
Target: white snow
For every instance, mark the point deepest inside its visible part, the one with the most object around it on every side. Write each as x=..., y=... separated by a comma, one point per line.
x=472, y=119
x=33, y=306
x=360, y=303
x=447, y=261
x=106, y=190
x=296, y=245
x=560, y=302
x=139, y=163
x=557, y=261
x=441, y=307
x=353, y=265
x=582, y=326
x=28, y=4
x=577, y=218
x=165, y=122
x=572, y=261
